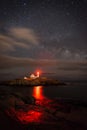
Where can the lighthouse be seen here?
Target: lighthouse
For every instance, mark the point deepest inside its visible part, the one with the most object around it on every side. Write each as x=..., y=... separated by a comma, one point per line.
x=32, y=76
x=38, y=74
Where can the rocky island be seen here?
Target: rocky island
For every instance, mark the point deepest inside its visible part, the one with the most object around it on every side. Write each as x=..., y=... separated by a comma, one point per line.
x=33, y=82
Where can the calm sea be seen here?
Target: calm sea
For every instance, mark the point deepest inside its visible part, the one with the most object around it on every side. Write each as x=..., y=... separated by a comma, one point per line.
x=74, y=90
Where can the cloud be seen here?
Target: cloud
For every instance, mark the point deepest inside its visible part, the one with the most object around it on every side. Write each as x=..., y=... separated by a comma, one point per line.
x=17, y=37
x=62, y=68
x=12, y=62
x=25, y=34
x=64, y=65
x=74, y=70
x=73, y=65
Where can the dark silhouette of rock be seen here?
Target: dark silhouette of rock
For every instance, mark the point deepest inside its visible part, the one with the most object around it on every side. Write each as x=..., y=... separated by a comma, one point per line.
x=33, y=82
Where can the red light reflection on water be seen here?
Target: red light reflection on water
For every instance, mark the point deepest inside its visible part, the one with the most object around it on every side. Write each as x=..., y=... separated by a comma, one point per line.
x=29, y=117
x=35, y=112
x=38, y=92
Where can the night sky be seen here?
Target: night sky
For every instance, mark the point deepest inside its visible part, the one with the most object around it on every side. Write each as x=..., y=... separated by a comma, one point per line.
x=46, y=35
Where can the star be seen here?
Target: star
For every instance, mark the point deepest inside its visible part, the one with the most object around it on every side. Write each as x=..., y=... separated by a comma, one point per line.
x=5, y=13
x=24, y=4
x=68, y=13
x=72, y=2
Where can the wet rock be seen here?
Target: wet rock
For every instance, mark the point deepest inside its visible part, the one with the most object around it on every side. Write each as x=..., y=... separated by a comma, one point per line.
x=29, y=100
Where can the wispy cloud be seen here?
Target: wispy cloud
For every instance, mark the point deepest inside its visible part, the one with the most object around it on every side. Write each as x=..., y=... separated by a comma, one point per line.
x=25, y=34
x=18, y=37
x=62, y=68
x=73, y=65
x=12, y=62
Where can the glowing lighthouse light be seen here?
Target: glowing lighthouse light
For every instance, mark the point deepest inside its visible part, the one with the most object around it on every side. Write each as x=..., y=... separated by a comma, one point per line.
x=38, y=74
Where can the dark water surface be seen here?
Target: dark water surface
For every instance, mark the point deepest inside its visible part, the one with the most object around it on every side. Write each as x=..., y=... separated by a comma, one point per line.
x=76, y=91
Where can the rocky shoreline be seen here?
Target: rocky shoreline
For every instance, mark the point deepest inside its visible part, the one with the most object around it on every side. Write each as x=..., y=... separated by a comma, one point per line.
x=22, y=112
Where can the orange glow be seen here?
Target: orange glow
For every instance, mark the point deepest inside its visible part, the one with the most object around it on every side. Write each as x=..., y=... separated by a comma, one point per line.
x=38, y=72
x=37, y=92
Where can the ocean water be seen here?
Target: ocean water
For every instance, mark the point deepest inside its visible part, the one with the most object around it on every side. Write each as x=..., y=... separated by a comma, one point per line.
x=74, y=90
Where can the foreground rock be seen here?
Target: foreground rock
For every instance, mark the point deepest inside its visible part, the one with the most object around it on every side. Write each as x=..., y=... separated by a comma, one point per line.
x=22, y=112
x=33, y=82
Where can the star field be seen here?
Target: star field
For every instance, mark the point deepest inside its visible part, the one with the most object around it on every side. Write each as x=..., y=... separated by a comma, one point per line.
x=44, y=30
